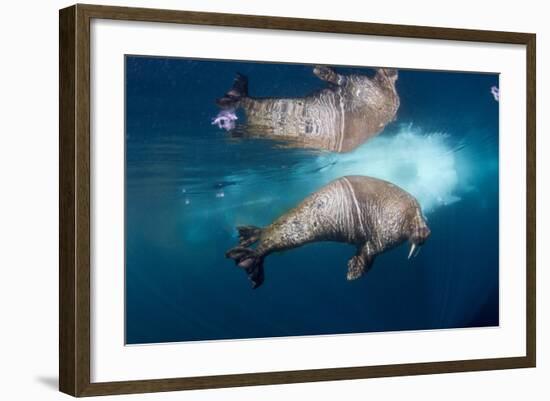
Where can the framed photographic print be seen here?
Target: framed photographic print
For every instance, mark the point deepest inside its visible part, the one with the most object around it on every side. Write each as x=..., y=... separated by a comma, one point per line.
x=251, y=200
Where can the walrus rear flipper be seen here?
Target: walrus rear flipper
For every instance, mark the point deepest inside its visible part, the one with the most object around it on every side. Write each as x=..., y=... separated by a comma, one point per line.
x=238, y=91
x=248, y=235
x=250, y=261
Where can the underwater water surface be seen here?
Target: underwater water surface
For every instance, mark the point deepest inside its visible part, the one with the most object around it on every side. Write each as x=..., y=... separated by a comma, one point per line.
x=189, y=184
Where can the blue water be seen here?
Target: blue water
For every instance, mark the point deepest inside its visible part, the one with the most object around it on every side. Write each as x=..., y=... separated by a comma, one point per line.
x=188, y=184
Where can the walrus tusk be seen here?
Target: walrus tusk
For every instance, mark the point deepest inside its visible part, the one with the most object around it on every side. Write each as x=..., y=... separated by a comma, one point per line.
x=411, y=252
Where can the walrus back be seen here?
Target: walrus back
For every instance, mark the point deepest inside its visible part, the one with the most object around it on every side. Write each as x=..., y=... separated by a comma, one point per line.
x=309, y=122
x=325, y=215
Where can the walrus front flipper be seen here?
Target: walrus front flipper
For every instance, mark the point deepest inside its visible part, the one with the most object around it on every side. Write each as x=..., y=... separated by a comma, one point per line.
x=328, y=74
x=360, y=263
x=250, y=261
x=248, y=235
x=238, y=91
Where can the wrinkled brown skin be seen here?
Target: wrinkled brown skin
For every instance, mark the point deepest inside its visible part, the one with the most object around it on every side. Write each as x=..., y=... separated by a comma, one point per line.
x=354, y=109
x=372, y=214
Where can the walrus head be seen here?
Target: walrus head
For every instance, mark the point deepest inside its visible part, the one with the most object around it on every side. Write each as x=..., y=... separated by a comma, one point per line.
x=419, y=233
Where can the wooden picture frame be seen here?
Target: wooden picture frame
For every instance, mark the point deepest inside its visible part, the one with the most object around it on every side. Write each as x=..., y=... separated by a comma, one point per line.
x=74, y=200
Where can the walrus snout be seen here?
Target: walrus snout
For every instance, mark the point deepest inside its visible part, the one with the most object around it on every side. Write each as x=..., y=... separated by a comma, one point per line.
x=419, y=235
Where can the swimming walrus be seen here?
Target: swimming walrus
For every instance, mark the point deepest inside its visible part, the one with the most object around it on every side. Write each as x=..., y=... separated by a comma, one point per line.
x=372, y=214
x=352, y=110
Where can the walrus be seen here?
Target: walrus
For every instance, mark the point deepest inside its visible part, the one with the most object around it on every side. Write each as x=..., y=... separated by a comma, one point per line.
x=371, y=214
x=353, y=109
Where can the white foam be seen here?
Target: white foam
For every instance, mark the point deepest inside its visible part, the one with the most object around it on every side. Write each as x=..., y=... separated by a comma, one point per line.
x=424, y=164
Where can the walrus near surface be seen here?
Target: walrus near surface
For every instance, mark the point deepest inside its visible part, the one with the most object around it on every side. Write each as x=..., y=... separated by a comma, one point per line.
x=372, y=214
x=352, y=110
